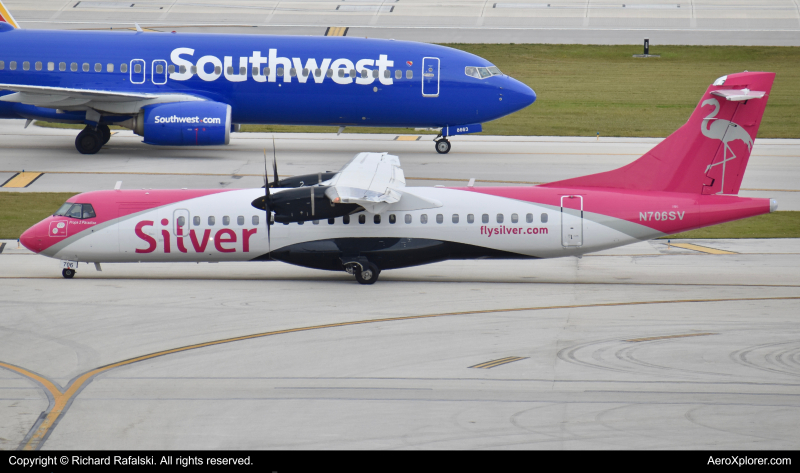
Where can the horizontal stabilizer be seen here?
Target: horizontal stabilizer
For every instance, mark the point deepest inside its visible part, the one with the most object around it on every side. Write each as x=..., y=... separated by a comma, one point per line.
x=738, y=95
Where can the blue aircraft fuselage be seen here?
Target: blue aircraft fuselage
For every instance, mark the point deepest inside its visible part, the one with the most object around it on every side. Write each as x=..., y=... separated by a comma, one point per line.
x=290, y=80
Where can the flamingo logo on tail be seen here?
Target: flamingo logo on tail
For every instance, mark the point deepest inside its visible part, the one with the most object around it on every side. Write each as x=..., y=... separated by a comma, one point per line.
x=725, y=131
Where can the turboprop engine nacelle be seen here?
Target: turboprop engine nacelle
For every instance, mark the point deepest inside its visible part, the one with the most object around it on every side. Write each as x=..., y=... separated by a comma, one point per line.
x=183, y=124
x=303, y=204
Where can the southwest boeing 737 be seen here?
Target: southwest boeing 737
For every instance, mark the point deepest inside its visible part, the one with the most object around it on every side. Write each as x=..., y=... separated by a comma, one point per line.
x=363, y=219
x=194, y=89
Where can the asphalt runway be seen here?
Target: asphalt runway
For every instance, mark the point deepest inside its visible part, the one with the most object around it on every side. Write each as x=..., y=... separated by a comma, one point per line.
x=642, y=347
x=772, y=172
x=697, y=22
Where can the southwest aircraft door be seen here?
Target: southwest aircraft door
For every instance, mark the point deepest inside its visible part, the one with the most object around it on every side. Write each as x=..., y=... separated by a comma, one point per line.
x=159, y=72
x=138, y=71
x=571, y=221
x=430, y=77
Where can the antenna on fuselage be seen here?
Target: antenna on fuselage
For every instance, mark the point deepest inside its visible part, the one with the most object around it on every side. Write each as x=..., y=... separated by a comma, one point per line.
x=138, y=28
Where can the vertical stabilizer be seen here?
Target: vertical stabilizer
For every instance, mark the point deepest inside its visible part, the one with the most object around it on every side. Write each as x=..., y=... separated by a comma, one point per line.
x=707, y=155
x=5, y=16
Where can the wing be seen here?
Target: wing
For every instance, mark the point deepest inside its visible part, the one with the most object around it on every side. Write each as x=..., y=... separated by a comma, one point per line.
x=105, y=101
x=371, y=180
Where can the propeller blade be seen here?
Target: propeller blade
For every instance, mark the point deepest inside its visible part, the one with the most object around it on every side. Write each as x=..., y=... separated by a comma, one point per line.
x=274, y=164
x=312, y=201
x=266, y=202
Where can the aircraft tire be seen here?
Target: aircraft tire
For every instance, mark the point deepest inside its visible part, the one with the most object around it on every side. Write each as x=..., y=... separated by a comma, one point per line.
x=68, y=273
x=105, y=132
x=367, y=276
x=442, y=146
x=88, y=141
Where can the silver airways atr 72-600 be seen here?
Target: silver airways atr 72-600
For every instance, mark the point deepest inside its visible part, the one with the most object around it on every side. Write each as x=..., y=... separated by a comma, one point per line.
x=363, y=219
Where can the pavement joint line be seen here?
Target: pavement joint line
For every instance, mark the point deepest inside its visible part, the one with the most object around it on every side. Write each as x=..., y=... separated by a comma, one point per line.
x=502, y=361
x=665, y=337
x=62, y=399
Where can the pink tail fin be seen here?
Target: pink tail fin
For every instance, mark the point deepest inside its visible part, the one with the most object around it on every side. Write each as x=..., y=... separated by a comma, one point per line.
x=707, y=155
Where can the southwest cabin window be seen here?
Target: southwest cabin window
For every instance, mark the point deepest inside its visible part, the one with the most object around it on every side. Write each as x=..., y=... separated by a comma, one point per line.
x=26, y=66
x=2, y=65
x=12, y=65
x=98, y=67
x=170, y=69
x=409, y=74
x=73, y=67
x=51, y=66
x=62, y=66
x=76, y=211
x=398, y=74
x=38, y=65
x=109, y=67
x=137, y=68
x=85, y=67
x=123, y=68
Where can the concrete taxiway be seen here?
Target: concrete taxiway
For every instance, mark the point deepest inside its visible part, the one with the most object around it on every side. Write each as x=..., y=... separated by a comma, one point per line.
x=700, y=22
x=639, y=347
x=773, y=170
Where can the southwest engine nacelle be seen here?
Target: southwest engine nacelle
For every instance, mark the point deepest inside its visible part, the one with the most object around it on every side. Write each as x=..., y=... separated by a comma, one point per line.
x=183, y=124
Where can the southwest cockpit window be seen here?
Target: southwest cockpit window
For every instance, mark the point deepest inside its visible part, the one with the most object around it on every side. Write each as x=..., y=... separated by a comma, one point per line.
x=75, y=211
x=482, y=72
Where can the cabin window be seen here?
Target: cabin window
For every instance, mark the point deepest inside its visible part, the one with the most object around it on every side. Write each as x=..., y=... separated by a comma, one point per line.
x=26, y=66
x=196, y=220
x=62, y=66
x=439, y=218
x=499, y=218
x=73, y=67
x=266, y=71
x=470, y=218
x=240, y=220
x=293, y=72
x=109, y=67
x=226, y=220
x=211, y=221
x=170, y=69
x=12, y=65
x=529, y=218
x=408, y=218
x=123, y=68
x=51, y=66
x=485, y=218
x=317, y=72
x=193, y=69
x=301, y=222
x=98, y=67
x=392, y=219
x=409, y=74
x=181, y=221
x=242, y=71
x=230, y=70
x=398, y=74
x=329, y=73
x=544, y=218
x=218, y=70
x=455, y=218
x=305, y=72
x=362, y=219
x=255, y=71
x=315, y=222
x=423, y=218
x=514, y=218
x=376, y=219
x=331, y=221
x=137, y=68
x=353, y=73
x=341, y=72
x=280, y=72
x=387, y=74
x=2, y=65
x=254, y=220
x=38, y=65
x=364, y=73
x=85, y=67
x=346, y=220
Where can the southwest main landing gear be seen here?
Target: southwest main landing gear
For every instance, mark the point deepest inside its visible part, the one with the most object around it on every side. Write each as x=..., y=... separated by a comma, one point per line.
x=442, y=146
x=89, y=140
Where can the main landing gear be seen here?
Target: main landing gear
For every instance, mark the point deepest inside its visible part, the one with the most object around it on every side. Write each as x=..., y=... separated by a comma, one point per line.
x=68, y=273
x=90, y=140
x=442, y=146
x=364, y=271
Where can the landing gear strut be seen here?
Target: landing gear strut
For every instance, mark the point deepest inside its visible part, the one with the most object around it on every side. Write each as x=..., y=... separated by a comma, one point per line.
x=442, y=146
x=366, y=275
x=68, y=273
x=89, y=141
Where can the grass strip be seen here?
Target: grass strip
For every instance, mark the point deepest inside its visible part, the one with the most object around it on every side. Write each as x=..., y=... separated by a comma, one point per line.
x=585, y=89
x=21, y=210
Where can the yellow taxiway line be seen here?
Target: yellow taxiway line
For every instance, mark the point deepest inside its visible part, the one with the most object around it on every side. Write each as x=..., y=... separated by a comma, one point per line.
x=22, y=179
x=703, y=249
x=501, y=361
x=62, y=399
x=667, y=337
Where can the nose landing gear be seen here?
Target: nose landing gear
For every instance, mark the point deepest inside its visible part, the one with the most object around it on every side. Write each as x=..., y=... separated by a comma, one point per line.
x=442, y=146
x=68, y=273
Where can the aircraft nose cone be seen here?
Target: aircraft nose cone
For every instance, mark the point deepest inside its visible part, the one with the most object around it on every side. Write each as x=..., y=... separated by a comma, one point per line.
x=28, y=240
x=518, y=94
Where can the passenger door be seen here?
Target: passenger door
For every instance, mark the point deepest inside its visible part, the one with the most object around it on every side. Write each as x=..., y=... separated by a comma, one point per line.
x=138, y=71
x=571, y=221
x=159, y=72
x=430, y=77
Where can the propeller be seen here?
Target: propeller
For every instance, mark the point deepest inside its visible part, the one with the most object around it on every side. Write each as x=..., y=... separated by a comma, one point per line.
x=274, y=165
x=267, y=198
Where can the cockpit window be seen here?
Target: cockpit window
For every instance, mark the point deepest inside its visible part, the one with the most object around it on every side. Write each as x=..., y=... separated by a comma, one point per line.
x=76, y=211
x=482, y=72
